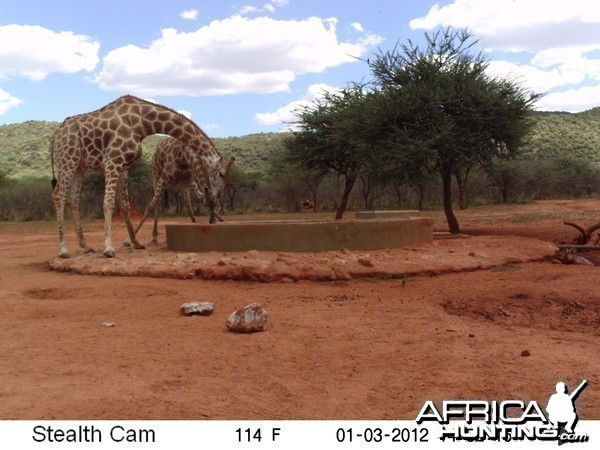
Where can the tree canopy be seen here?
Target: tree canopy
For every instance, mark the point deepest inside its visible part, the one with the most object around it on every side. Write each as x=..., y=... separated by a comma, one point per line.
x=330, y=139
x=433, y=109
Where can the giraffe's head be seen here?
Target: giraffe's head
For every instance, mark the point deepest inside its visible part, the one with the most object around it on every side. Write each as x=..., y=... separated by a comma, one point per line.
x=217, y=170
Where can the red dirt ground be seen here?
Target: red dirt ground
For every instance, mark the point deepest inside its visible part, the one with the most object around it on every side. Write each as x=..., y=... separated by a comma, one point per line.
x=366, y=345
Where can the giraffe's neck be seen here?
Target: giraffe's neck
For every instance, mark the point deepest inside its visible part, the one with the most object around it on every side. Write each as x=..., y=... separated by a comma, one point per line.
x=158, y=119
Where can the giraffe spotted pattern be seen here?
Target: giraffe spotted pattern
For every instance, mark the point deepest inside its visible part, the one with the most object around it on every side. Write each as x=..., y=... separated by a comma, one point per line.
x=110, y=139
x=175, y=164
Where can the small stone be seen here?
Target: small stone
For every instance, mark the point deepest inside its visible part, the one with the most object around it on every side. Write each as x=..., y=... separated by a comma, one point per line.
x=249, y=319
x=108, y=324
x=471, y=335
x=472, y=254
x=525, y=353
x=197, y=308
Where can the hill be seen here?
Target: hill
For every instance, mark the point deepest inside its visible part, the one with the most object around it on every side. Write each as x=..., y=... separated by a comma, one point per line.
x=24, y=147
x=560, y=134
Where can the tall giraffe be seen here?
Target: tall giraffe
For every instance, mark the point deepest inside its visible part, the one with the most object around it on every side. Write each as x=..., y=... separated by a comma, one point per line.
x=110, y=139
x=173, y=165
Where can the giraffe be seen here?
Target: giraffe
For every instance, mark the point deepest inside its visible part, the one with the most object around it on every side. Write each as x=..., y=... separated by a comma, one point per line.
x=172, y=165
x=109, y=139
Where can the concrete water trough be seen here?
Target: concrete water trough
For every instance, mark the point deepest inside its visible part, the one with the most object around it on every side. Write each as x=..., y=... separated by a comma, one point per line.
x=299, y=235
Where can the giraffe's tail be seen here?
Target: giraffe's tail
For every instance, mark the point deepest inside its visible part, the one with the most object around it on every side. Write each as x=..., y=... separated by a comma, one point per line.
x=54, y=181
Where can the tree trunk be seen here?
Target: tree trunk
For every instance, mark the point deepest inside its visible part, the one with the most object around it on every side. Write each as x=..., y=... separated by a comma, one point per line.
x=348, y=185
x=504, y=193
x=450, y=217
x=461, y=182
x=462, y=198
x=231, y=193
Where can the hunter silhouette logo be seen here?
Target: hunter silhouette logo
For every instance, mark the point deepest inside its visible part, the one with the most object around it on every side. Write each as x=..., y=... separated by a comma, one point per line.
x=561, y=410
x=508, y=420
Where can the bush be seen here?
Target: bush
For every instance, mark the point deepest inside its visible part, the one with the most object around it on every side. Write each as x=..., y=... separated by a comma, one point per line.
x=26, y=199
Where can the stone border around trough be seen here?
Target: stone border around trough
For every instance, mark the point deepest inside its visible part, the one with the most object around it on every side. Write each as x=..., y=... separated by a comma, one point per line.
x=441, y=256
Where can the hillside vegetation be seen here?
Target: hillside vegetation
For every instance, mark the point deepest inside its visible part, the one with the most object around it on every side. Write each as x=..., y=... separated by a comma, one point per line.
x=560, y=134
x=561, y=159
x=24, y=146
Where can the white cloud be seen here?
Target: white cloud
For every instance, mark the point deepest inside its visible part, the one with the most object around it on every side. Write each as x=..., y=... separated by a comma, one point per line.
x=185, y=113
x=230, y=56
x=286, y=115
x=560, y=39
x=535, y=79
x=34, y=52
x=269, y=7
x=189, y=14
x=248, y=9
x=7, y=101
x=207, y=127
x=521, y=24
x=357, y=27
x=572, y=100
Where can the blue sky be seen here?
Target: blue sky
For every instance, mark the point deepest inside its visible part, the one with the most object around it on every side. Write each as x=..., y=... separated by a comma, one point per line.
x=238, y=67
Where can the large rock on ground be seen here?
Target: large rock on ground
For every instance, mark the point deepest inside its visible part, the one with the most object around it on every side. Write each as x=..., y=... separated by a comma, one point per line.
x=249, y=319
x=197, y=308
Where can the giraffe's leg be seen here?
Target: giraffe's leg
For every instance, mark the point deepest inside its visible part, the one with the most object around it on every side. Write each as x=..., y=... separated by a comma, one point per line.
x=211, y=204
x=152, y=206
x=188, y=203
x=124, y=203
x=73, y=202
x=59, y=196
x=211, y=201
x=155, y=226
x=158, y=190
x=111, y=179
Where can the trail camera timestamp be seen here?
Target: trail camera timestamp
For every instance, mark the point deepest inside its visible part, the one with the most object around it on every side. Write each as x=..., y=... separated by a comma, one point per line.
x=381, y=435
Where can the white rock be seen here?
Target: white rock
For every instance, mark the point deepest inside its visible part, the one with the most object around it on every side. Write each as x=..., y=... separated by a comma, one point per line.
x=249, y=319
x=197, y=308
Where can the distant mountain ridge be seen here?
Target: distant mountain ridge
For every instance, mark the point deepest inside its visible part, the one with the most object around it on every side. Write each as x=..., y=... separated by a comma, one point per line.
x=24, y=147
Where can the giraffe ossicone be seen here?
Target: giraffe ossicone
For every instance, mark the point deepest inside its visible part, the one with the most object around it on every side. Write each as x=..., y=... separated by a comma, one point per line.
x=110, y=139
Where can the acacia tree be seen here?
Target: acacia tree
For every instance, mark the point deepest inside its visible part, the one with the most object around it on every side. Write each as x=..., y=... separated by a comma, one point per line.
x=329, y=139
x=446, y=112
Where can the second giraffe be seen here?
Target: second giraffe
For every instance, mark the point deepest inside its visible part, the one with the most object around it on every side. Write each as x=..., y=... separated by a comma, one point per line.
x=174, y=164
